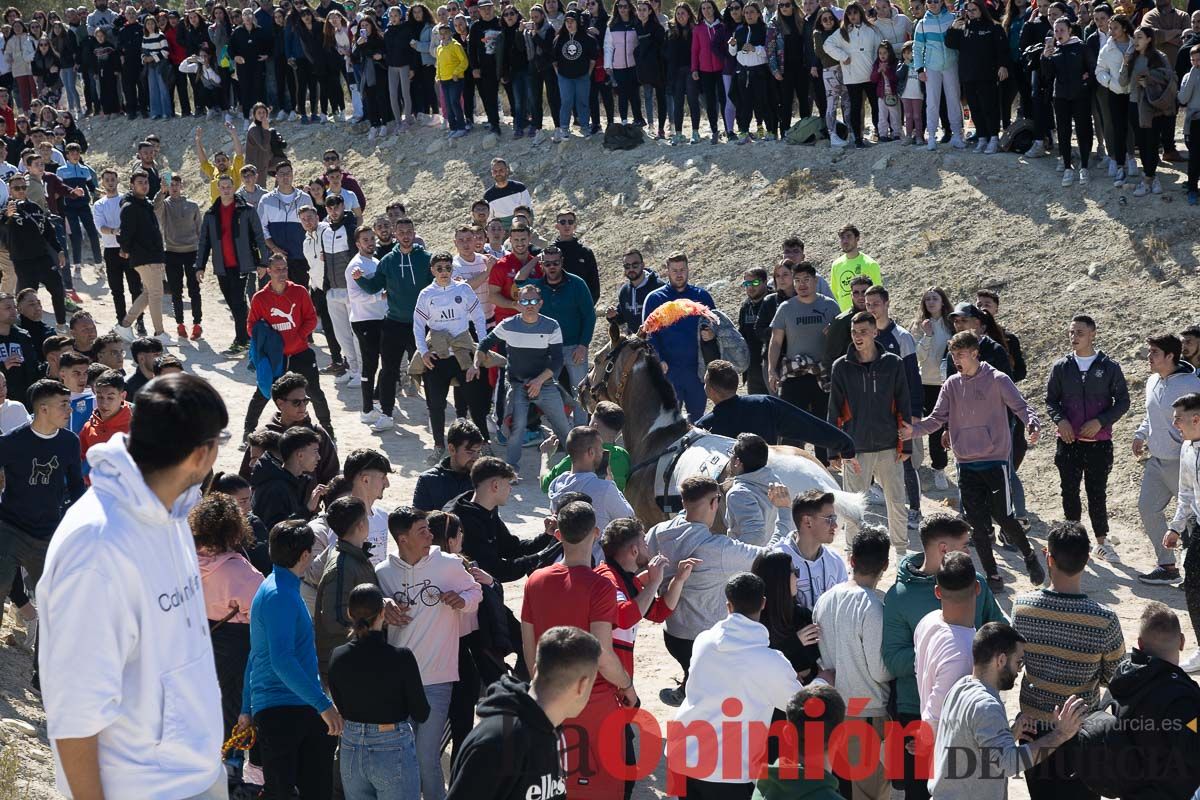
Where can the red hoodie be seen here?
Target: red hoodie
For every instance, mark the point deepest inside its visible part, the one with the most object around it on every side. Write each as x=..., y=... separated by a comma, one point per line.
x=291, y=314
x=98, y=430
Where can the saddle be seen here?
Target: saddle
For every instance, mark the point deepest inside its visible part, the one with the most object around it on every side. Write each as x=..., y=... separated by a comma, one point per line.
x=698, y=452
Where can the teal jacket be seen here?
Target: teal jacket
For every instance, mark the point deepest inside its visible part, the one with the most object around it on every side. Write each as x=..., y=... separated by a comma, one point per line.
x=404, y=276
x=773, y=787
x=570, y=305
x=906, y=603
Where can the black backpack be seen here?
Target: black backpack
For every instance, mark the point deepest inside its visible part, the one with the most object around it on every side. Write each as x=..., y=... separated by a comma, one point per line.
x=623, y=137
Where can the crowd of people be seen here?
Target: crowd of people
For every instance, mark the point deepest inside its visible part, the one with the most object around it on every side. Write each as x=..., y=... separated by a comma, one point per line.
x=346, y=643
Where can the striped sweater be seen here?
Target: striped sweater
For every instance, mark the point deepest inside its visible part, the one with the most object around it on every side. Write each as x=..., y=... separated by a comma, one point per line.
x=1074, y=645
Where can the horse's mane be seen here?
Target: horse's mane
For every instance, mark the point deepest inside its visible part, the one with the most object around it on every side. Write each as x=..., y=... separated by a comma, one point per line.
x=658, y=381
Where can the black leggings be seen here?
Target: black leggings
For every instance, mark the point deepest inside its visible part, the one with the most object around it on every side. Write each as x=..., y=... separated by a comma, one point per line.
x=369, y=334
x=712, y=85
x=682, y=85
x=1119, y=108
x=233, y=289
x=1148, y=141
x=983, y=98
x=937, y=453
x=397, y=341
x=1193, y=146
x=306, y=87
x=1079, y=111
x=40, y=271
x=335, y=347
x=628, y=95
x=178, y=266
x=794, y=86
x=860, y=92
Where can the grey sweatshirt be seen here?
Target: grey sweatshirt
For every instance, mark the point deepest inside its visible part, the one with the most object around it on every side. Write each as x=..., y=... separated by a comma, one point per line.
x=852, y=619
x=974, y=725
x=179, y=219
x=702, y=603
x=749, y=515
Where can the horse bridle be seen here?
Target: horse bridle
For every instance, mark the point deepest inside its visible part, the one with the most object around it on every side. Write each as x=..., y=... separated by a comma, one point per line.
x=610, y=364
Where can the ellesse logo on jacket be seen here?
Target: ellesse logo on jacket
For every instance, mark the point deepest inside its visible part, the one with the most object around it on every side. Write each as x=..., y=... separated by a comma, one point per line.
x=548, y=788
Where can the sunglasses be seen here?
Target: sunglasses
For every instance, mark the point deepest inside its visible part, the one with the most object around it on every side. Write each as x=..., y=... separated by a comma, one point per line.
x=551, y=263
x=298, y=402
x=509, y=14
x=754, y=282
x=530, y=302
x=634, y=265
x=565, y=221
x=330, y=159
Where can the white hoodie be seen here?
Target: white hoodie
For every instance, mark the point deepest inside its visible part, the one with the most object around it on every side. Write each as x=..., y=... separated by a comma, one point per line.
x=433, y=633
x=736, y=645
x=125, y=648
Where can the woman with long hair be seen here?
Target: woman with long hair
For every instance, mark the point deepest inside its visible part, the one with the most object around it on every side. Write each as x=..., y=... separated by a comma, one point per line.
x=378, y=691
x=1016, y=13
x=399, y=58
x=1068, y=66
x=982, y=65
x=709, y=38
x=514, y=53
x=19, y=49
x=752, y=81
x=219, y=32
x=192, y=35
x=855, y=47
x=66, y=45
x=47, y=69
x=337, y=47
x=1152, y=108
x=933, y=330
x=1118, y=133
x=424, y=93
x=555, y=14
x=731, y=18
x=306, y=55
x=787, y=61
x=370, y=60
x=620, y=58
x=679, y=72
x=788, y=621
x=836, y=96
x=545, y=83
x=651, y=64
x=155, y=60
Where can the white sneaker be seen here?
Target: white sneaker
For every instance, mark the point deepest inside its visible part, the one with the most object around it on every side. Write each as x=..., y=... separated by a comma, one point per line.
x=1191, y=663
x=1131, y=167
x=1119, y=177
x=1068, y=177
x=228, y=117
x=932, y=144
x=163, y=337
x=1037, y=151
x=384, y=423
x=123, y=332
x=348, y=377
x=293, y=117
x=1106, y=552
x=993, y=146
x=939, y=480
x=371, y=135
x=1142, y=189
x=369, y=417
x=1084, y=178
x=836, y=141
x=957, y=142
x=1155, y=187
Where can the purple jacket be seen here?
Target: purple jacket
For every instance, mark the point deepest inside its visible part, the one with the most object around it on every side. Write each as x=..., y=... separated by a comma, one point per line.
x=1100, y=394
x=976, y=411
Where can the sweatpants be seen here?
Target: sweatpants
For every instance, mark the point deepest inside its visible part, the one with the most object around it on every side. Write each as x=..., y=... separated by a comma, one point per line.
x=1076, y=110
x=681, y=650
x=305, y=363
x=369, y=335
x=233, y=290
x=937, y=84
x=889, y=118
x=805, y=393
x=397, y=341
x=1160, y=484
x=297, y=753
x=983, y=97
x=1089, y=462
x=338, y=309
x=180, y=266
x=987, y=497
x=884, y=467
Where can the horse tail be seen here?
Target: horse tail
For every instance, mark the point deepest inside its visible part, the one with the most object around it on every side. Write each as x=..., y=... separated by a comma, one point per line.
x=851, y=505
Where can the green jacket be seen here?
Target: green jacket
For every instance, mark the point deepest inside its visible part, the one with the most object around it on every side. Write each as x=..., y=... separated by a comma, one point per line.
x=346, y=568
x=404, y=276
x=570, y=305
x=773, y=787
x=618, y=464
x=906, y=603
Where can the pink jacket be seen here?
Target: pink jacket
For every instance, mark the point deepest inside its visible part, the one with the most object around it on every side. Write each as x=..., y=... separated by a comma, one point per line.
x=976, y=411
x=229, y=582
x=708, y=45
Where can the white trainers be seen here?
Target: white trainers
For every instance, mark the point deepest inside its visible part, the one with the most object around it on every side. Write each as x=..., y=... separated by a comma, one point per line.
x=1037, y=151
x=1112, y=168
x=1084, y=178
x=281, y=116
x=836, y=141
x=1131, y=167
x=1155, y=187
x=292, y=117
x=993, y=146
x=1142, y=189
x=957, y=142
x=1068, y=177
x=1106, y=552
x=981, y=144
x=939, y=480
x=1191, y=663
x=348, y=377
x=384, y=423
x=371, y=135
x=369, y=417
x=124, y=332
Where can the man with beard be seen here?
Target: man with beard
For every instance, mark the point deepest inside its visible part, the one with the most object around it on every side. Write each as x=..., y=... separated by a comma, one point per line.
x=975, y=724
x=754, y=281
x=639, y=283
x=677, y=345
x=1190, y=338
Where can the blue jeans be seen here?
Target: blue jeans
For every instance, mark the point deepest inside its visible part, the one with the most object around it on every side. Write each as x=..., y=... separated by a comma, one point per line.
x=454, y=110
x=160, y=96
x=575, y=93
x=379, y=765
x=522, y=95
x=429, y=741
x=71, y=90
x=549, y=401
x=80, y=219
x=576, y=372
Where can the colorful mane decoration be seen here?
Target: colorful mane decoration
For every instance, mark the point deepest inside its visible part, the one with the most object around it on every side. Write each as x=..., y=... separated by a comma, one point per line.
x=671, y=312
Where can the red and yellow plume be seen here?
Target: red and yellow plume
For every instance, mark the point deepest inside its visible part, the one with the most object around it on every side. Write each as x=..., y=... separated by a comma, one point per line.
x=671, y=312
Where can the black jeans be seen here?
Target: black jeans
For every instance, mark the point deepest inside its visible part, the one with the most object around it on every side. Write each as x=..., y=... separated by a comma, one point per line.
x=178, y=266
x=463, y=697
x=986, y=497
x=437, y=388
x=1056, y=779
x=937, y=453
x=547, y=80
x=397, y=342
x=488, y=86
x=752, y=97
x=627, y=95
x=1090, y=462
x=137, y=98
x=683, y=86
x=233, y=290
x=306, y=88
x=369, y=334
x=178, y=85
x=1119, y=107
x=1079, y=111
x=914, y=786
x=860, y=94
x=681, y=651
x=31, y=274
x=794, y=86
x=601, y=91
x=285, y=86
x=804, y=392
x=118, y=273
x=297, y=753
x=252, y=85
x=305, y=363
x=983, y=97
x=712, y=85
x=1148, y=140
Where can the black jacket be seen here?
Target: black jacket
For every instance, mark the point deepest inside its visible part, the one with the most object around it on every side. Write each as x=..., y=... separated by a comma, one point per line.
x=481, y=50
x=438, y=486
x=1167, y=754
x=278, y=494
x=140, y=235
x=747, y=327
x=328, y=466
x=488, y=542
x=29, y=234
x=775, y=420
x=20, y=376
x=650, y=55
x=397, y=46
x=868, y=400
x=982, y=49
x=631, y=300
x=1067, y=69
x=248, y=241
x=766, y=313
x=581, y=262
x=250, y=44
x=990, y=352
x=512, y=754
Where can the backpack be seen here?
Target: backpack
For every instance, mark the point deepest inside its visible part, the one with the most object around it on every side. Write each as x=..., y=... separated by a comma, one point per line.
x=806, y=131
x=278, y=144
x=1019, y=137
x=623, y=137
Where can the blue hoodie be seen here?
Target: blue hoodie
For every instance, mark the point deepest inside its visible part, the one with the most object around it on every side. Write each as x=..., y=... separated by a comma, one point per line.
x=678, y=345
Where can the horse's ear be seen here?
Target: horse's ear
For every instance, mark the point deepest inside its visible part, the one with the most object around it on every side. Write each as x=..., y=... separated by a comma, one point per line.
x=614, y=333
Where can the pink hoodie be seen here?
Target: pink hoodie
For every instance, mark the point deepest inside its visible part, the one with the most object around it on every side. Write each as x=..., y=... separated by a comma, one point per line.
x=229, y=582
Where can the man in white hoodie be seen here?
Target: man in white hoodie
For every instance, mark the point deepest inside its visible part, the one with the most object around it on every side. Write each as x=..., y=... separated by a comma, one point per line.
x=121, y=604
x=753, y=501
x=738, y=645
x=432, y=590
x=701, y=605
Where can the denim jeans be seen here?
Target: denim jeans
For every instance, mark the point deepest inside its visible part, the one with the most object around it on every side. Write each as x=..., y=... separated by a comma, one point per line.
x=575, y=93
x=454, y=110
x=549, y=401
x=80, y=220
x=429, y=741
x=522, y=95
x=379, y=765
x=160, y=96
x=71, y=90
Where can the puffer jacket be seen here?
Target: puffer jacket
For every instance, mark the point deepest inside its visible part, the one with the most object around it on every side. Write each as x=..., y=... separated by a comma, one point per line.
x=1070, y=68
x=1109, y=61
x=620, y=44
x=982, y=50
x=861, y=48
x=929, y=43
x=708, y=44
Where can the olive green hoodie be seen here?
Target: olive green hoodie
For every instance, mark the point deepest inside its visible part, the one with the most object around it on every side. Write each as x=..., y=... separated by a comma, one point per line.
x=773, y=787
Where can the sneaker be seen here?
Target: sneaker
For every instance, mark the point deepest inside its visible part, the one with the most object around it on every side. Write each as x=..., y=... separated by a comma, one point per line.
x=914, y=519
x=533, y=438
x=181, y=331
x=1131, y=167
x=1060, y=166
x=237, y=348
x=837, y=141
x=1004, y=542
x=460, y=133
x=862, y=144
x=695, y=137
x=242, y=445
x=348, y=377
x=124, y=332
x=1068, y=177
x=993, y=146
x=382, y=424
x=334, y=368
x=369, y=417
x=518, y=133
x=371, y=135
x=281, y=116
x=1142, y=189
x=439, y=452
x=1037, y=575
x=163, y=337
x=75, y=298
x=1037, y=151
x=1161, y=576
x=674, y=697
x=77, y=272
x=716, y=139
x=744, y=139
x=555, y=137
x=292, y=117
x=1119, y=178
x=957, y=143
x=1104, y=551
x=197, y=332
x=1191, y=663
x=939, y=480
x=29, y=640
x=996, y=583
x=932, y=144
x=1155, y=187
x=1084, y=178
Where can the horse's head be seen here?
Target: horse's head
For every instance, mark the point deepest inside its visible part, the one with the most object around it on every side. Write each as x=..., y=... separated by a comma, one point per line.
x=609, y=375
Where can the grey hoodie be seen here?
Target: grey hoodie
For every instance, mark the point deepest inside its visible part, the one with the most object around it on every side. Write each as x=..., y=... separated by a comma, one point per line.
x=749, y=515
x=702, y=603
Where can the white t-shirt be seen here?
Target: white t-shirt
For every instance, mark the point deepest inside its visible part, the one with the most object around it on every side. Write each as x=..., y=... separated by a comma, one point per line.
x=943, y=656
x=1084, y=363
x=468, y=270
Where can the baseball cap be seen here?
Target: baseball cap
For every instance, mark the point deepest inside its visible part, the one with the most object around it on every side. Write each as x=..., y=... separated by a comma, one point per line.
x=967, y=310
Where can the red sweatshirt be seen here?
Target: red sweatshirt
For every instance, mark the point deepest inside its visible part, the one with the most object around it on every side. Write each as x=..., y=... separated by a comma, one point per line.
x=629, y=615
x=291, y=313
x=98, y=430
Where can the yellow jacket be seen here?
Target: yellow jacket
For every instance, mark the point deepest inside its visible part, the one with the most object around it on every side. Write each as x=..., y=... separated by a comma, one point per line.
x=451, y=61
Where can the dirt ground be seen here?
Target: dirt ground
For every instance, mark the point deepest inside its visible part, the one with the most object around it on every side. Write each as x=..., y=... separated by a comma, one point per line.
x=952, y=219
